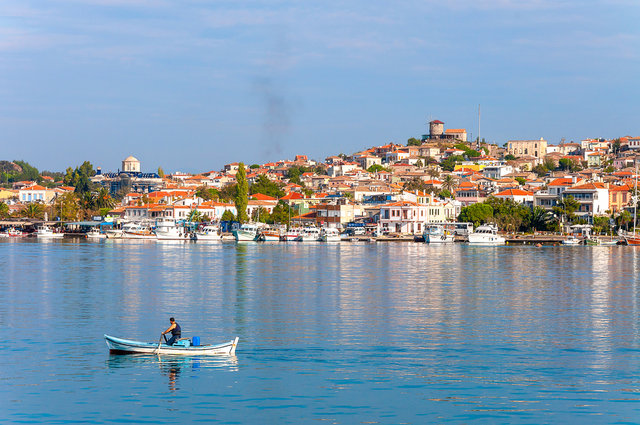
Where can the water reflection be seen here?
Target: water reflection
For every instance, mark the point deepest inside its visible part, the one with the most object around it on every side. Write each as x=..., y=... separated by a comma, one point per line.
x=173, y=366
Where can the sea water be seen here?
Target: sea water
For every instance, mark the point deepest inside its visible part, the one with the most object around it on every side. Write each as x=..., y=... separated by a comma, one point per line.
x=337, y=333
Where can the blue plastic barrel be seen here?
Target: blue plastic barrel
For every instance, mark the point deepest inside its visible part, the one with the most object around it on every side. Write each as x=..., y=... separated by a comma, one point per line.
x=195, y=341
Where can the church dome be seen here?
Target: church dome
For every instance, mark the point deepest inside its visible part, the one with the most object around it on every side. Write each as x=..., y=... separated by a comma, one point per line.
x=131, y=158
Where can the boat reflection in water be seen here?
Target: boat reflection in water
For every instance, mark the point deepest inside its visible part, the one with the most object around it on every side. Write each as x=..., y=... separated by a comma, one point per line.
x=172, y=366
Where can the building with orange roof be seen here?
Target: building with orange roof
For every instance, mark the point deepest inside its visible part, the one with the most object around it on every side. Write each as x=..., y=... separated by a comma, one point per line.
x=468, y=193
x=517, y=195
x=593, y=199
x=620, y=197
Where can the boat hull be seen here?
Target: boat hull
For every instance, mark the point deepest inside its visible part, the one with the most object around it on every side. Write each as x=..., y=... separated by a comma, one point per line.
x=125, y=346
x=438, y=239
x=243, y=236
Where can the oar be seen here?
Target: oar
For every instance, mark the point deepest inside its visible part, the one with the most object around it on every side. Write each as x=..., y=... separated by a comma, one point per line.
x=159, y=343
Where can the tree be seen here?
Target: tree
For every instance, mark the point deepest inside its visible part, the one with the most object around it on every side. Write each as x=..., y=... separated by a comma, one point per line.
x=266, y=187
x=33, y=210
x=416, y=184
x=624, y=219
x=260, y=214
x=413, y=142
x=195, y=216
x=161, y=172
x=601, y=224
x=207, y=193
x=281, y=214
x=242, y=196
x=449, y=164
x=227, y=216
x=521, y=181
x=4, y=210
x=254, y=166
x=566, y=207
x=509, y=157
x=419, y=163
x=376, y=168
x=445, y=194
x=565, y=164
x=449, y=183
x=67, y=206
x=540, y=219
x=476, y=213
x=228, y=192
x=104, y=199
x=433, y=172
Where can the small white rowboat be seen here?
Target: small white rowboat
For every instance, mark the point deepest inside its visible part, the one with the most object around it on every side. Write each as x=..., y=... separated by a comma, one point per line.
x=125, y=346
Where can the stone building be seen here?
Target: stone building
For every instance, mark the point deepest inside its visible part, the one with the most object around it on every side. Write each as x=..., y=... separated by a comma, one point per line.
x=535, y=148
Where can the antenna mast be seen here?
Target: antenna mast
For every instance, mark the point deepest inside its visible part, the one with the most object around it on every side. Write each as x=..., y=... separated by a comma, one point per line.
x=478, y=124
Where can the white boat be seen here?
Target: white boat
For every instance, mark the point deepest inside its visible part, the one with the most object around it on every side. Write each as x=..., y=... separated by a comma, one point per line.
x=168, y=229
x=487, y=234
x=330, y=234
x=270, y=234
x=209, y=232
x=182, y=347
x=113, y=233
x=571, y=240
x=436, y=234
x=137, y=231
x=291, y=235
x=309, y=234
x=248, y=232
x=95, y=233
x=12, y=232
x=47, y=232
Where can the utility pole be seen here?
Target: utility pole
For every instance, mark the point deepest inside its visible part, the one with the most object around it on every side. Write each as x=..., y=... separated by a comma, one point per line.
x=478, y=125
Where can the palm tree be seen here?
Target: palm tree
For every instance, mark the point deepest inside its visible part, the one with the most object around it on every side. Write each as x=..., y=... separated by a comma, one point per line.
x=33, y=210
x=540, y=218
x=449, y=183
x=195, y=216
x=104, y=199
x=433, y=172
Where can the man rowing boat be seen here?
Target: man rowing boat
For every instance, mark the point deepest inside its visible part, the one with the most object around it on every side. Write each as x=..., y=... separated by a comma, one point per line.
x=175, y=330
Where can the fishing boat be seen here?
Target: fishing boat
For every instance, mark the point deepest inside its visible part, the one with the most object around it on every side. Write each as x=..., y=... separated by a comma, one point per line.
x=248, y=232
x=12, y=232
x=113, y=233
x=436, y=234
x=168, y=229
x=183, y=347
x=571, y=240
x=309, y=234
x=291, y=235
x=47, y=232
x=137, y=231
x=486, y=234
x=209, y=232
x=330, y=234
x=270, y=234
x=95, y=233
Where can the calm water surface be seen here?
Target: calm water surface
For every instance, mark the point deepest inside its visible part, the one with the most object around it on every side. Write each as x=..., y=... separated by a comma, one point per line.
x=329, y=333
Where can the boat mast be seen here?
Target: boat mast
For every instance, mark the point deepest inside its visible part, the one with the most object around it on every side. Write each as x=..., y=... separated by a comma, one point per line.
x=635, y=201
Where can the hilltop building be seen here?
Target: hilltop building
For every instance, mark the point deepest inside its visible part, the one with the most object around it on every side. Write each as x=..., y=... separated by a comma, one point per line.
x=129, y=179
x=437, y=132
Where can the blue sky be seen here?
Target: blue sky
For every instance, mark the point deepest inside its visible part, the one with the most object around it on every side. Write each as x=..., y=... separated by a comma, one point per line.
x=192, y=85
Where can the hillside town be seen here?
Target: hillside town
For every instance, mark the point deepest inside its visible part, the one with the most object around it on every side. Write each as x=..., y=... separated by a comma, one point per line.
x=522, y=186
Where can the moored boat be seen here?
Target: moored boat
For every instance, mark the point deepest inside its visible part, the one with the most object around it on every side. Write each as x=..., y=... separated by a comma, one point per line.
x=291, y=235
x=270, y=234
x=248, y=232
x=137, y=231
x=95, y=233
x=183, y=347
x=436, y=234
x=309, y=234
x=47, y=232
x=210, y=232
x=168, y=229
x=571, y=240
x=330, y=234
x=486, y=234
